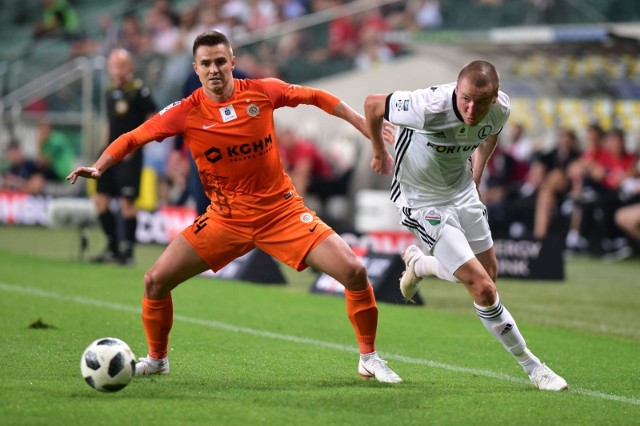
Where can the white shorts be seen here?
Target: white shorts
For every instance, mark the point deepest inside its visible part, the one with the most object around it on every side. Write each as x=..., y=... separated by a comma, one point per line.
x=454, y=234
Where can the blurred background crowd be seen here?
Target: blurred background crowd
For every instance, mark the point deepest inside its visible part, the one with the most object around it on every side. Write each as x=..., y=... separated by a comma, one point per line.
x=567, y=164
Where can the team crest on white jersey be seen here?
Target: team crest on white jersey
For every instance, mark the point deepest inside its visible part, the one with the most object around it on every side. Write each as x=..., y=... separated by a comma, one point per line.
x=484, y=132
x=253, y=110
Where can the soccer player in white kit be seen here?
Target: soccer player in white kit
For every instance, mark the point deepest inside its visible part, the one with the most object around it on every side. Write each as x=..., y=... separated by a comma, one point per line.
x=445, y=136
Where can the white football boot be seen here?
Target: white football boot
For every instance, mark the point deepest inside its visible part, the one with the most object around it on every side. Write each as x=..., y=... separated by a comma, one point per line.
x=148, y=365
x=544, y=379
x=409, y=282
x=376, y=367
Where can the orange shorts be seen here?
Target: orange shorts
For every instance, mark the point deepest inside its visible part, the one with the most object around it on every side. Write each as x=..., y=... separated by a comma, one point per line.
x=288, y=233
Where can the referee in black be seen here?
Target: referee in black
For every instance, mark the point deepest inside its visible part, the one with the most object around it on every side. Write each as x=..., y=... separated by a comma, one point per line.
x=129, y=104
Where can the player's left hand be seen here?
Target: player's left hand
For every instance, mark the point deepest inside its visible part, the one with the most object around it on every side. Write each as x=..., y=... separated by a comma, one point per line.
x=85, y=172
x=382, y=163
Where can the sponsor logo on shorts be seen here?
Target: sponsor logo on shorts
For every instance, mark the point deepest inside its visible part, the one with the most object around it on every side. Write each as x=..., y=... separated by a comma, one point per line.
x=306, y=217
x=313, y=228
x=433, y=217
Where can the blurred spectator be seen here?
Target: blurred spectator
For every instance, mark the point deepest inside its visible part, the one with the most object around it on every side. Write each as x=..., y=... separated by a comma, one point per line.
x=291, y=47
x=578, y=172
x=622, y=168
x=126, y=35
x=57, y=157
x=372, y=49
x=20, y=173
x=555, y=182
x=303, y=161
x=496, y=182
x=627, y=217
x=426, y=14
x=165, y=34
x=261, y=13
x=342, y=37
x=597, y=181
x=195, y=20
x=165, y=7
x=313, y=174
x=289, y=9
x=498, y=176
x=521, y=149
x=372, y=52
x=59, y=19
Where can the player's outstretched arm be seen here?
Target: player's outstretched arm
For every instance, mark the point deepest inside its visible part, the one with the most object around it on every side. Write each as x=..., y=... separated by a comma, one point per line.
x=94, y=172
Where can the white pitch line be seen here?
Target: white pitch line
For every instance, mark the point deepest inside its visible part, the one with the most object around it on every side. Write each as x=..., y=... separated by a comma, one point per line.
x=313, y=342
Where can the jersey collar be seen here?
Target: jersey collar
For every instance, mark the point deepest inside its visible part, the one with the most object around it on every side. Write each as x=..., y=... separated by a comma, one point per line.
x=455, y=105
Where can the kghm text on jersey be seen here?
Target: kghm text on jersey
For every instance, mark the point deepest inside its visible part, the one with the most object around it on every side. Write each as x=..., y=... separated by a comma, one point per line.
x=245, y=151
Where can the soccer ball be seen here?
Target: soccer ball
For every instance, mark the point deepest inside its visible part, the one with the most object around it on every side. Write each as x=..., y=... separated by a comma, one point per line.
x=108, y=364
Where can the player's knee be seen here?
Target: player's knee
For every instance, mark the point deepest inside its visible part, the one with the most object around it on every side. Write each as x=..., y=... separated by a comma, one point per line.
x=153, y=288
x=486, y=294
x=356, y=276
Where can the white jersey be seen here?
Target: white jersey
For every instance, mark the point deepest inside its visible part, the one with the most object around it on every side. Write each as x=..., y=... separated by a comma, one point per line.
x=434, y=146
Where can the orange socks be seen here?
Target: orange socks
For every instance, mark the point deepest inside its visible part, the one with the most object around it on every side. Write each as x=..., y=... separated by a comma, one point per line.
x=157, y=318
x=363, y=314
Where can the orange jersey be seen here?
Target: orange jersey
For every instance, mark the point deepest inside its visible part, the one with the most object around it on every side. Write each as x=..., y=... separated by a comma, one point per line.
x=233, y=143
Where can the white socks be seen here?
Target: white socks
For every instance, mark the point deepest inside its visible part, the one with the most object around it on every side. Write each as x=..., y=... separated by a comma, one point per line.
x=497, y=319
x=429, y=265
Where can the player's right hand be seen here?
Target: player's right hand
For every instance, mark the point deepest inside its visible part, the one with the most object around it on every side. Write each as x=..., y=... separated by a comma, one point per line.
x=85, y=172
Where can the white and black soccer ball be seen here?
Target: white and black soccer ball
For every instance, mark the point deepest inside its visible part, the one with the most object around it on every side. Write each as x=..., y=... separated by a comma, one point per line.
x=108, y=364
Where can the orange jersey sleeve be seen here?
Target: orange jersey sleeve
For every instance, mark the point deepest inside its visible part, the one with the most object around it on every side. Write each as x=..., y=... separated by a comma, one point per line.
x=291, y=95
x=155, y=128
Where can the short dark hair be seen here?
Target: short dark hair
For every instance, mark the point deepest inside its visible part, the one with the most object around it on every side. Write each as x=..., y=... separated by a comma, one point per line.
x=211, y=38
x=481, y=73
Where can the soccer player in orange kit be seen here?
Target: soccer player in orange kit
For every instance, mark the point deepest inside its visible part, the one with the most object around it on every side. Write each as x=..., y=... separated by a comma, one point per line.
x=228, y=126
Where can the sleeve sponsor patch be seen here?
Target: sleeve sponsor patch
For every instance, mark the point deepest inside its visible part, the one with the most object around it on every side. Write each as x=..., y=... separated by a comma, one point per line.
x=403, y=104
x=168, y=107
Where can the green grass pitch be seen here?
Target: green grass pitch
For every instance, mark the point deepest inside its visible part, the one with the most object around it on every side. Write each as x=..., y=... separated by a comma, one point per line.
x=248, y=354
